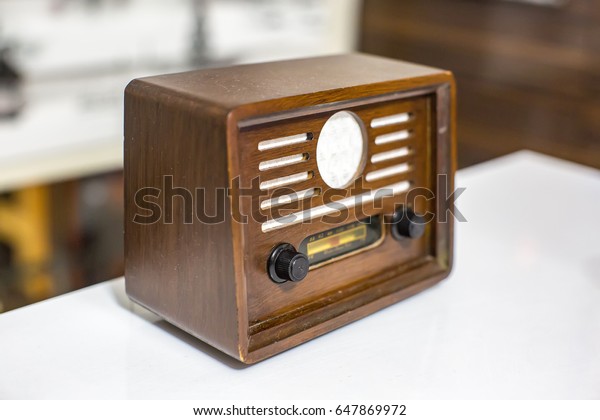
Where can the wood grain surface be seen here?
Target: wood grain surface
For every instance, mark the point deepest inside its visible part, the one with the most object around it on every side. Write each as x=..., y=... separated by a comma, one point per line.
x=203, y=128
x=528, y=75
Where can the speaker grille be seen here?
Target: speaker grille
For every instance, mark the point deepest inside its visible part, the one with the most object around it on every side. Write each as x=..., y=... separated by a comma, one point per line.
x=289, y=173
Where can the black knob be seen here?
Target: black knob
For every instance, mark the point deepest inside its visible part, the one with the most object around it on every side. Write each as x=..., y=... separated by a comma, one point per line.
x=407, y=224
x=287, y=264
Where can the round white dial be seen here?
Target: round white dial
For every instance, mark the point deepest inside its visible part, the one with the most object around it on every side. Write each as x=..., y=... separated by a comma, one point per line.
x=341, y=149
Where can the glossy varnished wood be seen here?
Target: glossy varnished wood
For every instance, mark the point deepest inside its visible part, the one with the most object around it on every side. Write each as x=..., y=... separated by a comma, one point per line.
x=182, y=271
x=267, y=299
x=203, y=128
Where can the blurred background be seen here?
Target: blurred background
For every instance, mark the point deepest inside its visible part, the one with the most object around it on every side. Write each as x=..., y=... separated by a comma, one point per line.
x=528, y=74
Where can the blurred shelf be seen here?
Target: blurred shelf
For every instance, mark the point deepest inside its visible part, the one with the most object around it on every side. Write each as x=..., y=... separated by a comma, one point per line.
x=68, y=130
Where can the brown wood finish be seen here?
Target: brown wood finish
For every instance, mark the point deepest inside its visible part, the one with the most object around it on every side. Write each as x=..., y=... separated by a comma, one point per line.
x=528, y=74
x=203, y=128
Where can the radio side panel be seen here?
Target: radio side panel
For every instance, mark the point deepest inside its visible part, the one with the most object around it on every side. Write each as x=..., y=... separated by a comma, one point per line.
x=178, y=260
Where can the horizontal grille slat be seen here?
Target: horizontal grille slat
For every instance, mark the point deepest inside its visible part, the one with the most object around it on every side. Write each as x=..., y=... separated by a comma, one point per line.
x=284, y=141
x=388, y=172
x=282, y=161
x=289, y=198
x=393, y=137
x=391, y=154
x=391, y=120
x=285, y=180
x=335, y=206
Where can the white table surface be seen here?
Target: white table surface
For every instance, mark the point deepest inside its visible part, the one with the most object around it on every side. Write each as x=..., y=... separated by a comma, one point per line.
x=518, y=318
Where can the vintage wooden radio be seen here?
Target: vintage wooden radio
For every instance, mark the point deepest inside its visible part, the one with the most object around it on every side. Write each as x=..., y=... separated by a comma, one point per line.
x=268, y=204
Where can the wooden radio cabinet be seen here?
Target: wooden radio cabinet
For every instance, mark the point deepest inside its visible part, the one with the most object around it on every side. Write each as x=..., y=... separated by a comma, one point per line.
x=268, y=204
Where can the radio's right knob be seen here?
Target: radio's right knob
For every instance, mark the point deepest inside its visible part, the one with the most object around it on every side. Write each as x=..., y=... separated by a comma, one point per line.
x=407, y=224
x=287, y=264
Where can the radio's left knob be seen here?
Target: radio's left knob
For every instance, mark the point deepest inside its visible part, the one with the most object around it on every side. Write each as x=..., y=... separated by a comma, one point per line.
x=287, y=264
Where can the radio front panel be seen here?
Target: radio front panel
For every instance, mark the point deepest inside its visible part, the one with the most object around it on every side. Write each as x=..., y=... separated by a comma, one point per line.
x=292, y=203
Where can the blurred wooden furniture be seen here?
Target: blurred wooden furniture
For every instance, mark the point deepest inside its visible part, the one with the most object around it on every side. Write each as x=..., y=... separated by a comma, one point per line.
x=528, y=76
x=25, y=225
x=58, y=237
